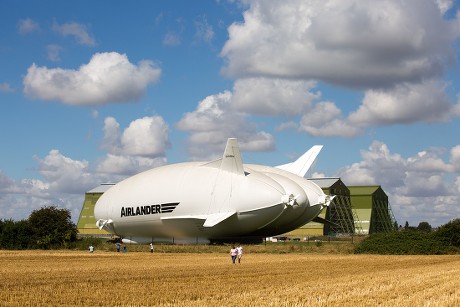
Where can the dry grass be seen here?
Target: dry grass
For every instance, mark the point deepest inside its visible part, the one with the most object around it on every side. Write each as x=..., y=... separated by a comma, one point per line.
x=69, y=278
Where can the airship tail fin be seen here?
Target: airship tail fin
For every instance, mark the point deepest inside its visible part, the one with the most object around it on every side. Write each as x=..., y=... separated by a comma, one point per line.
x=301, y=166
x=231, y=160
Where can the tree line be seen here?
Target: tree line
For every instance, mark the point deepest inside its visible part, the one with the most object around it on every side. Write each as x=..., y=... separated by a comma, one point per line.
x=46, y=228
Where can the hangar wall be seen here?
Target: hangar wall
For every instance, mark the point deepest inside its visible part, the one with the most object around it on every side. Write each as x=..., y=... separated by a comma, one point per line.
x=86, y=224
x=372, y=208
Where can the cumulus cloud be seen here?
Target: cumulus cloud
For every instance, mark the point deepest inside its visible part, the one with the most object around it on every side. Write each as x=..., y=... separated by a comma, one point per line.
x=63, y=184
x=79, y=31
x=272, y=97
x=27, y=25
x=141, y=146
x=351, y=43
x=396, y=52
x=420, y=186
x=54, y=52
x=214, y=121
x=406, y=103
x=146, y=136
x=62, y=173
x=445, y=5
x=203, y=30
x=128, y=165
x=108, y=77
x=64, y=180
x=326, y=119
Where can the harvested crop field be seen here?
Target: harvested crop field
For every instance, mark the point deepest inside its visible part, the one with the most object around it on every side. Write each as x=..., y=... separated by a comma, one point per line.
x=73, y=278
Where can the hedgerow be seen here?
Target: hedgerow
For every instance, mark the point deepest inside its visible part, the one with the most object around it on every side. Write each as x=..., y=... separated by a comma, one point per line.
x=445, y=240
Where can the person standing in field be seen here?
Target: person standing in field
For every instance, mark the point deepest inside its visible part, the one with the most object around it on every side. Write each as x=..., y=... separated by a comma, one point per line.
x=239, y=250
x=233, y=253
x=118, y=245
x=91, y=248
x=151, y=247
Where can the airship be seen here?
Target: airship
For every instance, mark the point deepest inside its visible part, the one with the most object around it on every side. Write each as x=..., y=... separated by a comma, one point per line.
x=216, y=201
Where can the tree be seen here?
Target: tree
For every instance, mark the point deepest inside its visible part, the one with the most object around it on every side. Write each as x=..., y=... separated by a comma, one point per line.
x=14, y=235
x=406, y=226
x=52, y=227
x=449, y=233
x=424, y=226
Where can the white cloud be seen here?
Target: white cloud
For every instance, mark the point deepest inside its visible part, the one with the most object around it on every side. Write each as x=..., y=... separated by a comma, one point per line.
x=406, y=103
x=444, y=5
x=108, y=77
x=272, y=97
x=64, y=174
x=128, y=165
x=146, y=137
x=326, y=119
x=141, y=146
x=64, y=182
x=214, y=121
x=204, y=31
x=54, y=52
x=455, y=158
x=79, y=31
x=27, y=25
x=395, y=51
x=420, y=188
x=351, y=43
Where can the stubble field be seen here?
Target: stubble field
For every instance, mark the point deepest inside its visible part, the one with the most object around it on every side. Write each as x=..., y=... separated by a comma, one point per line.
x=72, y=278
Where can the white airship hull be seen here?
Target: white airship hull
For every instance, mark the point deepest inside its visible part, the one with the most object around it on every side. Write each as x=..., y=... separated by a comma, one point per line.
x=198, y=202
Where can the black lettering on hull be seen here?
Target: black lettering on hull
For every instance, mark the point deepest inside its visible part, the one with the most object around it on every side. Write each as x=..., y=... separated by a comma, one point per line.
x=147, y=210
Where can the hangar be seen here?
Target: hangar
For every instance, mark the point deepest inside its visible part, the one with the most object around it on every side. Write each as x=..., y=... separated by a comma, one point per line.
x=370, y=203
x=86, y=224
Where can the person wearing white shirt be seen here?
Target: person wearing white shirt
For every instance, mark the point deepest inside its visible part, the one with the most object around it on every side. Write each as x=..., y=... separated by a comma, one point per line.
x=239, y=250
x=233, y=254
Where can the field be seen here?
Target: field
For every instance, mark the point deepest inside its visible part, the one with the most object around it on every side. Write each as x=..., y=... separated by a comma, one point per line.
x=106, y=278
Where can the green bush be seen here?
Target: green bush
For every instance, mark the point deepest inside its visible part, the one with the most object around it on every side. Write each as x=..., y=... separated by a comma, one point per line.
x=446, y=240
x=449, y=233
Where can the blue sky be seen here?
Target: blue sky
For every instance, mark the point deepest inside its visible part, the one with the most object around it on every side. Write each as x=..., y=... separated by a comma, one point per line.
x=95, y=91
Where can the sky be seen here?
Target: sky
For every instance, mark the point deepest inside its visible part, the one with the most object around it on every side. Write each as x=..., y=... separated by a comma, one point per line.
x=96, y=91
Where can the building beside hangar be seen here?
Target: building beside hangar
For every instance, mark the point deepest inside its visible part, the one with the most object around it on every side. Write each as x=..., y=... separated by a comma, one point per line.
x=372, y=209
x=86, y=224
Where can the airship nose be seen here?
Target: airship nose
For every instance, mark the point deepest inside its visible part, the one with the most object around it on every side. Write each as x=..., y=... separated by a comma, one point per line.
x=101, y=209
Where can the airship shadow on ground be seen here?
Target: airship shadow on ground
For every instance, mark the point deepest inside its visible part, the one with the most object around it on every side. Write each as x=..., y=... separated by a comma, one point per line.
x=221, y=200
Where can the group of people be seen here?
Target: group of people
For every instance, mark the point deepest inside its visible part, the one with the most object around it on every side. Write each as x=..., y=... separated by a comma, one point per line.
x=118, y=247
x=236, y=253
